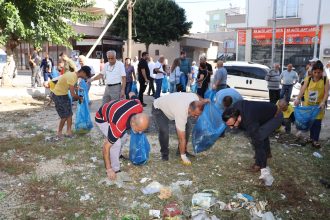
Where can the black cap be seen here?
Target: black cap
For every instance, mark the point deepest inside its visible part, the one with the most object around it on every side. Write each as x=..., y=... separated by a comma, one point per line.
x=87, y=70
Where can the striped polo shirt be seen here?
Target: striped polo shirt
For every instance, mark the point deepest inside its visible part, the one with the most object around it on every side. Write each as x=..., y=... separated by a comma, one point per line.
x=118, y=114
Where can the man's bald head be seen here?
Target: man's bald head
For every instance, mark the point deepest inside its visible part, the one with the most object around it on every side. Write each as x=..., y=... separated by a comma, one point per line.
x=140, y=122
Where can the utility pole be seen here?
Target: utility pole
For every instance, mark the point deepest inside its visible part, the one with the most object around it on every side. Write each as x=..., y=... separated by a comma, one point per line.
x=129, y=38
x=105, y=29
x=274, y=34
x=317, y=31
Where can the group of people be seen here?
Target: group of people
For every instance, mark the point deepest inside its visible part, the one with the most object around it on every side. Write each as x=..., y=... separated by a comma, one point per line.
x=122, y=109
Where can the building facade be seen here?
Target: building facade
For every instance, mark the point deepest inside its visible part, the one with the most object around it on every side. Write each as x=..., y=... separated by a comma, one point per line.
x=90, y=31
x=296, y=31
x=217, y=18
x=194, y=47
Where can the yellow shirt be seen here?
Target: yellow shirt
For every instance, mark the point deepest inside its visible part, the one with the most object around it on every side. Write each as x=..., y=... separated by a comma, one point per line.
x=64, y=82
x=314, y=94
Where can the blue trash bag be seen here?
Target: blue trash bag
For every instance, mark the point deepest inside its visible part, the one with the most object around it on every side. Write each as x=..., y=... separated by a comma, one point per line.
x=305, y=116
x=208, y=128
x=193, y=88
x=85, y=88
x=134, y=88
x=83, y=121
x=183, y=81
x=210, y=94
x=165, y=85
x=70, y=97
x=139, y=148
x=54, y=73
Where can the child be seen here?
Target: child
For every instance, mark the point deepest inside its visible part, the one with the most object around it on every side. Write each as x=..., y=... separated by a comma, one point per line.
x=288, y=115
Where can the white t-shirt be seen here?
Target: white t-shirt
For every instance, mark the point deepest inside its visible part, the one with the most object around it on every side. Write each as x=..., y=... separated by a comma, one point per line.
x=159, y=66
x=175, y=106
x=114, y=73
x=151, y=66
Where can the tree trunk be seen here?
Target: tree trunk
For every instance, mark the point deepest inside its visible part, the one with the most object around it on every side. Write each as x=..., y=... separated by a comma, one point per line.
x=9, y=69
x=147, y=47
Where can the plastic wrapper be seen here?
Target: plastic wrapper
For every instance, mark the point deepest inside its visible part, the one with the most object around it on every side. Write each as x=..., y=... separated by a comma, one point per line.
x=208, y=128
x=139, y=148
x=83, y=121
x=305, y=116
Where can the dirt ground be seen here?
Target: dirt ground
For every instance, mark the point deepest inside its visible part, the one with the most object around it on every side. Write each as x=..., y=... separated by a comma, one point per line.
x=41, y=179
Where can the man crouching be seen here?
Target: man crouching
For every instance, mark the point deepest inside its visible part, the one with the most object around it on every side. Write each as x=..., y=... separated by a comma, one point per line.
x=114, y=119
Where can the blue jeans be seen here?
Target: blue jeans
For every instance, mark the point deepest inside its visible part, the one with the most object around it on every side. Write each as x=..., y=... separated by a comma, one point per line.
x=286, y=92
x=158, y=87
x=172, y=87
x=128, y=88
x=315, y=130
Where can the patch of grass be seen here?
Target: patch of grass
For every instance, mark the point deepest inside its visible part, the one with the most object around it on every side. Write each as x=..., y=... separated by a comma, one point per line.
x=222, y=168
x=14, y=167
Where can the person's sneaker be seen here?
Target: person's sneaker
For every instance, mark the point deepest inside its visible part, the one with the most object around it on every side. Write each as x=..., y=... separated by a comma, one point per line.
x=316, y=144
x=144, y=105
x=165, y=157
x=187, y=153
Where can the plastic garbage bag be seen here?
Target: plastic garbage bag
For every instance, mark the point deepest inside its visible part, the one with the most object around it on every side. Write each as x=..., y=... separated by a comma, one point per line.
x=193, y=88
x=85, y=89
x=266, y=176
x=139, y=148
x=153, y=187
x=165, y=85
x=54, y=73
x=204, y=200
x=208, y=128
x=134, y=88
x=305, y=116
x=83, y=119
x=210, y=94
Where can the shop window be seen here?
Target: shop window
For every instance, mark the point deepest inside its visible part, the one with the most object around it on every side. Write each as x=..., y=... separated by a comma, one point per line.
x=287, y=8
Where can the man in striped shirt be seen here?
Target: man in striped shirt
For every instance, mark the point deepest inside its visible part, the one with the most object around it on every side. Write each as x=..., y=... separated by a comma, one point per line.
x=113, y=119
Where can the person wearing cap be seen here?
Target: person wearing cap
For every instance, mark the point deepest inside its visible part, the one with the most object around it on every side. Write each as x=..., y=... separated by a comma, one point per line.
x=259, y=120
x=114, y=118
x=61, y=99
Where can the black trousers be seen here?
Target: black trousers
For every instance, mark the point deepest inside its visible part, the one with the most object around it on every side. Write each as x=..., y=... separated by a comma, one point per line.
x=261, y=141
x=143, y=87
x=151, y=86
x=162, y=123
x=274, y=95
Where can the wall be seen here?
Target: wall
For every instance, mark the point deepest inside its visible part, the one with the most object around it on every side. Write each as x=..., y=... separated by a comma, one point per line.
x=170, y=52
x=325, y=42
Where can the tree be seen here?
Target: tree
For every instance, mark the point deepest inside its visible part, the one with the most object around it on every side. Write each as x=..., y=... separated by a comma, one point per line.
x=154, y=22
x=39, y=21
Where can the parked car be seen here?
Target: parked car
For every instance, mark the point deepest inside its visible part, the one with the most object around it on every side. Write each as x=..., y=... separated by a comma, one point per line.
x=3, y=60
x=249, y=78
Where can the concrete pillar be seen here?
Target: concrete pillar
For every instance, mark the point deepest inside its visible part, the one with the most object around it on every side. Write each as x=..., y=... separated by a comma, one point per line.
x=248, y=45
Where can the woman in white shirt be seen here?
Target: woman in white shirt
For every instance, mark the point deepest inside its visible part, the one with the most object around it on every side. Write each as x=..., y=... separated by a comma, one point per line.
x=175, y=75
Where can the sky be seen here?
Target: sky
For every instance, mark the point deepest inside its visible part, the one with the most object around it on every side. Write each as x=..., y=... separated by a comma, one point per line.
x=196, y=10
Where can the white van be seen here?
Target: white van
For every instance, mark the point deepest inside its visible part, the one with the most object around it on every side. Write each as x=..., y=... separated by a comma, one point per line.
x=249, y=78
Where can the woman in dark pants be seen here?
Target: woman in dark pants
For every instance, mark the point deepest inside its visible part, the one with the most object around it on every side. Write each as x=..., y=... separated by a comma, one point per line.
x=202, y=83
x=315, y=91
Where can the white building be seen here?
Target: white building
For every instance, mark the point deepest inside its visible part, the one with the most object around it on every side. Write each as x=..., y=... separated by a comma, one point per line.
x=296, y=30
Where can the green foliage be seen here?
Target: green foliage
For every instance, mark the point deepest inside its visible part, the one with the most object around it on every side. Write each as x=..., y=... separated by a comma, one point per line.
x=157, y=22
x=39, y=21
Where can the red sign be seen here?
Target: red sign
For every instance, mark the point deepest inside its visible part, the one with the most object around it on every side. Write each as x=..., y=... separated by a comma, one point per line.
x=292, y=35
x=241, y=37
